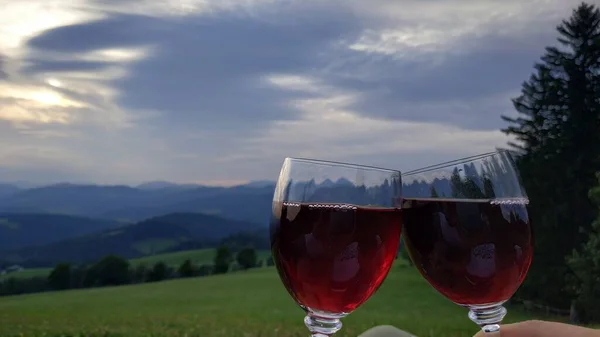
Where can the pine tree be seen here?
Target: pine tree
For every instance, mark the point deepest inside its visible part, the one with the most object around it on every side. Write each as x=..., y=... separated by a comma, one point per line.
x=558, y=135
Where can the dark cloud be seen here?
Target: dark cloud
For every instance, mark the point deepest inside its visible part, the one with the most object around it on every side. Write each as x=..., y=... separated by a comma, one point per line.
x=42, y=66
x=208, y=69
x=464, y=86
x=3, y=74
x=205, y=71
x=113, y=32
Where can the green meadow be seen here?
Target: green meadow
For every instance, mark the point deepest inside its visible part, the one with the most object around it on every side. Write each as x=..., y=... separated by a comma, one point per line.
x=28, y=273
x=251, y=303
x=198, y=257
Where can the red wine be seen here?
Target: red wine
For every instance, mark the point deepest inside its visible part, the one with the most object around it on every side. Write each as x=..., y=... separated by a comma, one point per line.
x=332, y=257
x=471, y=251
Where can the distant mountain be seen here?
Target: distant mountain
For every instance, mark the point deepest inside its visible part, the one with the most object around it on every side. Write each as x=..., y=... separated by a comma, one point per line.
x=22, y=184
x=260, y=183
x=249, y=202
x=157, y=185
x=23, y=230
x=152, y=236
x=81, y=200
x=161, y=185
x=7, y=190
x=238, y=203
x=126, y=203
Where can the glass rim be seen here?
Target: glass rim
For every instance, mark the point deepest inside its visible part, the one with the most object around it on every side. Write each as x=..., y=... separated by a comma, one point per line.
x=331, y=163
x=458, y=162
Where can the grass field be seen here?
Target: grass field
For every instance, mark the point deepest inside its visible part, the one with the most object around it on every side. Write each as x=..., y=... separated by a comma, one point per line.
x=252, y=303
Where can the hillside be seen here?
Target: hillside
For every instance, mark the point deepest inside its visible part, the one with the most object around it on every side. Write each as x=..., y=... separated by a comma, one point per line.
x=124, y=203
x=198, y=257
x=170, y=232
x=7, y=190
x=22, y=230
x=238, y=203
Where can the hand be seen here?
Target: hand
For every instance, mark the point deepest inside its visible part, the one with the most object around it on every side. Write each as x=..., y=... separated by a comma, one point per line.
x=543, y=329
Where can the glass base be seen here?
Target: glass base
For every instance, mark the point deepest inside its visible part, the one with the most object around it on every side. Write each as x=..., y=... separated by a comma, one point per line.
x=488, y=317
x=323, y=324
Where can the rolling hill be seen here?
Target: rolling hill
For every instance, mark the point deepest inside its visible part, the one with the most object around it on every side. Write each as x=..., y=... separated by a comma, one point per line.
x=124, y=203
x=237, y=203
x=31, y=229
x=7, y=190
x=171, y=232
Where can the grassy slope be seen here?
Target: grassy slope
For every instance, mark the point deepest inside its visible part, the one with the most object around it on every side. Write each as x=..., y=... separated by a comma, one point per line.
x=28, y=273
x=199, y=256
x=252, y=303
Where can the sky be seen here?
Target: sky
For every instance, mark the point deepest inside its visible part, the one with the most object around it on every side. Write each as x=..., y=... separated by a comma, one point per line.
x=219, y=92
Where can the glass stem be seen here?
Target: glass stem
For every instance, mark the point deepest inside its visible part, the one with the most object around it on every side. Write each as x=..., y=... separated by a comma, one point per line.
x=322, y=324
x=488, y=317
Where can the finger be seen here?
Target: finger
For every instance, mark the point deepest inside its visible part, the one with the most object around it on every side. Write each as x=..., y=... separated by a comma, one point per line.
x=536, y=328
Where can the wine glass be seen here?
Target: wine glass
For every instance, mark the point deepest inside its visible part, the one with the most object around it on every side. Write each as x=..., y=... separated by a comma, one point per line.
x=335, y=231
x=468, y=233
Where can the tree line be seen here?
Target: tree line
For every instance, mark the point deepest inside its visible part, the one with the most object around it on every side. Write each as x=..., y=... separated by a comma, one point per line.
x=557, y=131
x=557, y=146
x=113, y=270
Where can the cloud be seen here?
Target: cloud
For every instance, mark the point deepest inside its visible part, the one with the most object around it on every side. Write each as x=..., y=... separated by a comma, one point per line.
x=330, y=129
x=205, y=90
x=111, y=32
x=3, y=74
x=35, y=66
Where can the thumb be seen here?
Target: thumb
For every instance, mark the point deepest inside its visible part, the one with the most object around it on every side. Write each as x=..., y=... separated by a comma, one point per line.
x=543, y=329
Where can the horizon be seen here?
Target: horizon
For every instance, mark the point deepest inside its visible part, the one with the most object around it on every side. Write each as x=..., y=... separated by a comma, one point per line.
x=29, y=184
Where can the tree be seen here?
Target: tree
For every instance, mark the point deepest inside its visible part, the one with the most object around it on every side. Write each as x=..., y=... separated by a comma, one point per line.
x=111, y=270
x=159, y=272
x=433, y=192
x=246, y=258
x=558, y=138
x=140, y=273
x=78, y=276
x=60, y=277
x=222, y=260
x=585, y=264
x=187, y=269
x=205, y=269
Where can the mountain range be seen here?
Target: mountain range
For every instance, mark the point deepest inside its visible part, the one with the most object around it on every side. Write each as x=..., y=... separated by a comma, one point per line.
x=171, y=232
x=131, y=204
x=45, y=225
